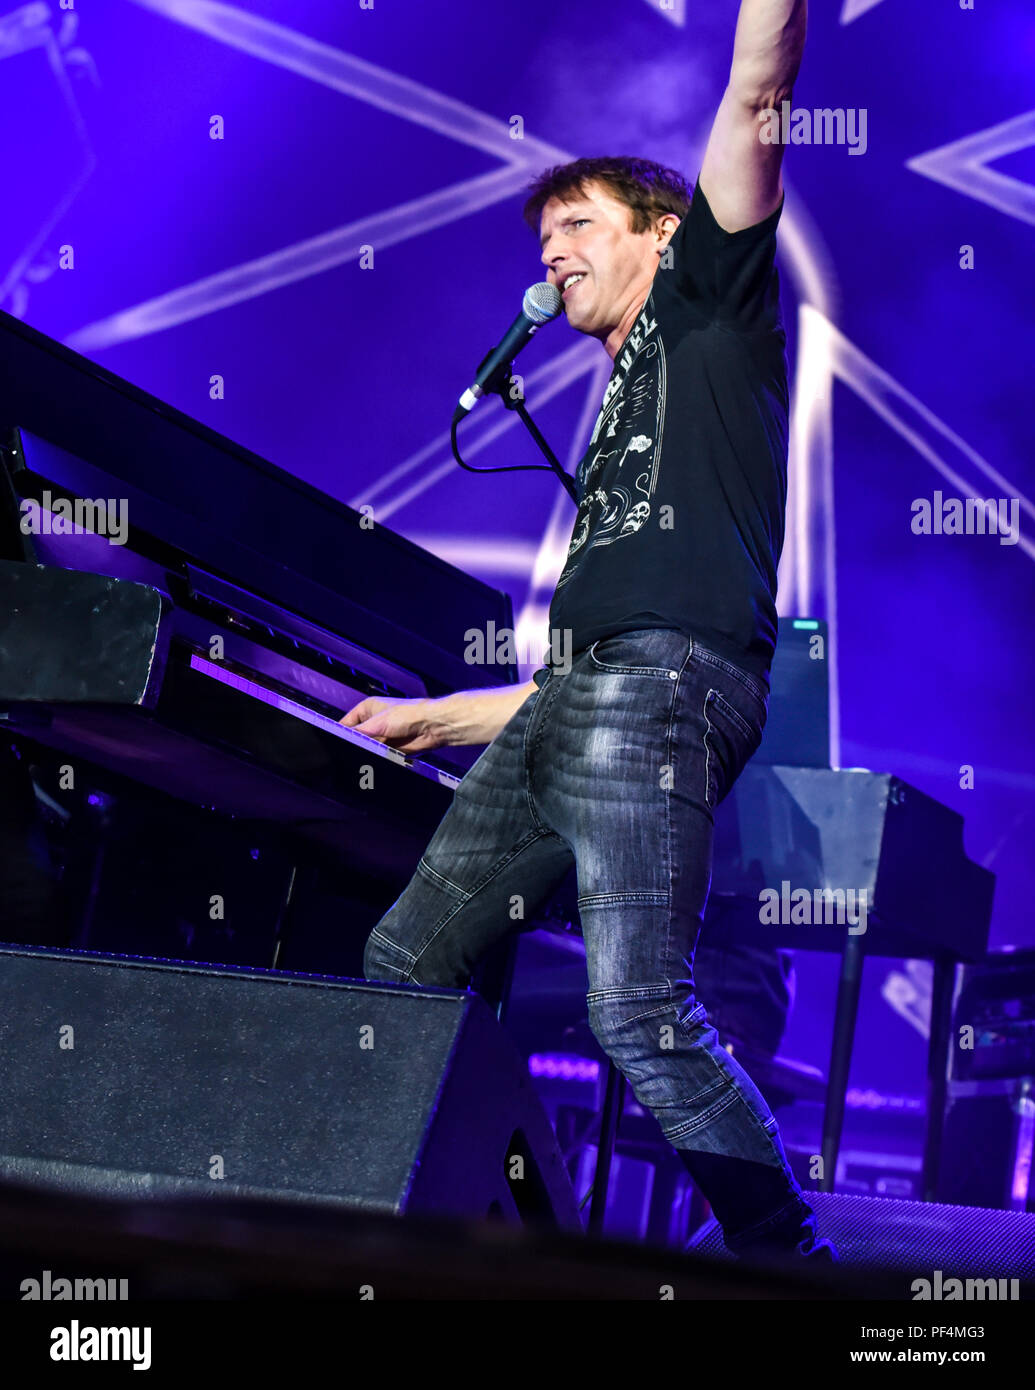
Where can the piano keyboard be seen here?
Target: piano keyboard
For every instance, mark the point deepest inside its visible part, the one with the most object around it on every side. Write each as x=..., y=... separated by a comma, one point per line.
x=255, y=691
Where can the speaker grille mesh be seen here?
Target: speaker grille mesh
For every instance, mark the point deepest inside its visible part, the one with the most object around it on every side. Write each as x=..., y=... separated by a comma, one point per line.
x=918, y=1237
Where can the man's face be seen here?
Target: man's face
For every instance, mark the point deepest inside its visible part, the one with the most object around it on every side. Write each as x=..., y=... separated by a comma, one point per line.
x=591, y=236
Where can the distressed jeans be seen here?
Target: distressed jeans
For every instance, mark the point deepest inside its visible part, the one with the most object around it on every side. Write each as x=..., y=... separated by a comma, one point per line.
x=618, y=763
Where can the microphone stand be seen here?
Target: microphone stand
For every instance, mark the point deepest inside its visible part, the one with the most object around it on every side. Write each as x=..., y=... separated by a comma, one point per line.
x=518, y=403
x=503, y=385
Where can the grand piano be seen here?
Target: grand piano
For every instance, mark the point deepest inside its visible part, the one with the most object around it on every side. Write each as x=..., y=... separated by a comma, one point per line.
x=210, y=657
x=207, y=652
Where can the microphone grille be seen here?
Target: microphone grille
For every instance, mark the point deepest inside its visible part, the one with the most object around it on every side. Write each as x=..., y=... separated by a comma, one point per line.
x=542, y=302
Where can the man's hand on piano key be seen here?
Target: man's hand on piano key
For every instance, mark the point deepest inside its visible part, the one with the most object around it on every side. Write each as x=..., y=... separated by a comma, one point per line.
x=465, y=717
x=410, y=726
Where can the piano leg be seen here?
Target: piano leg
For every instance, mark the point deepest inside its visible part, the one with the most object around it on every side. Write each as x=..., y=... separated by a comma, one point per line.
x=610, y=1119
x=90, y=831
x=937, y=1072
x=846, y=1009
x=283, y=916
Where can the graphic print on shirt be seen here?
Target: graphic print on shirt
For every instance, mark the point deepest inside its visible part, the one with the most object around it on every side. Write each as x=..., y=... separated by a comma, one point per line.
x=618, y=479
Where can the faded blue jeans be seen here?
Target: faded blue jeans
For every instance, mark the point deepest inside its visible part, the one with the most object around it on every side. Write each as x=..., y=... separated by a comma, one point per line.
x=619, y=762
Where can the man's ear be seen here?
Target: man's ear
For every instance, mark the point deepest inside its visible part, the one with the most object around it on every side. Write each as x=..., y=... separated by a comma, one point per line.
x=663, y=231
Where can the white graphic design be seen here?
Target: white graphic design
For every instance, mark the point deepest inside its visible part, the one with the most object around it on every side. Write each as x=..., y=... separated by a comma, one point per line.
x=29, y=27
x=963, y=166
x=672, y=10
x=615, y=503
x=852, y=9
x=808, y=568
x=329, y=67
x=637, y=516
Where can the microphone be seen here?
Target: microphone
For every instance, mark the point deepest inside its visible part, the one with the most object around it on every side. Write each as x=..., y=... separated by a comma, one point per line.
x=542, y=302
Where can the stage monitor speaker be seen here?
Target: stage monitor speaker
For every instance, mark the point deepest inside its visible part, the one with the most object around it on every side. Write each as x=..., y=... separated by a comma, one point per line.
x=919, y=1239
x=989, y=1140
x=797, y=732
x=988, y=1144
x=127, y=1076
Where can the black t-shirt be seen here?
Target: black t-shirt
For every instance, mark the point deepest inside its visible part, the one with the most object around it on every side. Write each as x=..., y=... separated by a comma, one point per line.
x=682, y=490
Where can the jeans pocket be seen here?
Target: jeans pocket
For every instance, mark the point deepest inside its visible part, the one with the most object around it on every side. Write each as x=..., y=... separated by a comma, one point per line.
x=737, y=686
x=730, y=740
x=656, y=652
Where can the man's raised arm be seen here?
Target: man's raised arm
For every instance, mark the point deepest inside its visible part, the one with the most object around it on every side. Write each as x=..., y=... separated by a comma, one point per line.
x=740, y=175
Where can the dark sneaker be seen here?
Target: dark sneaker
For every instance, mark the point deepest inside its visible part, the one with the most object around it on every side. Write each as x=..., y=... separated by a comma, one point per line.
x=813, y=1251
x=820, y=1250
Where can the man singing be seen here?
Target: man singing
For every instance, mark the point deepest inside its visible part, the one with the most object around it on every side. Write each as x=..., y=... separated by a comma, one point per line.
x=617, y=758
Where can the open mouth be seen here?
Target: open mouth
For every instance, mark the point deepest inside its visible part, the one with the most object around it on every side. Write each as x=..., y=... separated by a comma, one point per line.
x=570, y=284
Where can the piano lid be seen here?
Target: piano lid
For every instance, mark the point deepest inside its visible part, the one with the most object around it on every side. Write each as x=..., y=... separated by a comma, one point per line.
x=236, y=514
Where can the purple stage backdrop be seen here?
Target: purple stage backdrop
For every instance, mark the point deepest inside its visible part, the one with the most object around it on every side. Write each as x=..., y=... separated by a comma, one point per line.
x=301, y=224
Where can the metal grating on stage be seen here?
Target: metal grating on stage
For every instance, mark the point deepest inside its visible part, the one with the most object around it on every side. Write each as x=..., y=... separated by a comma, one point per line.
x=917, y=1237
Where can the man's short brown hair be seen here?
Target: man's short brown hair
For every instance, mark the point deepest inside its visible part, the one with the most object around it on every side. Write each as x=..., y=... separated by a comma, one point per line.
x=647, y=189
